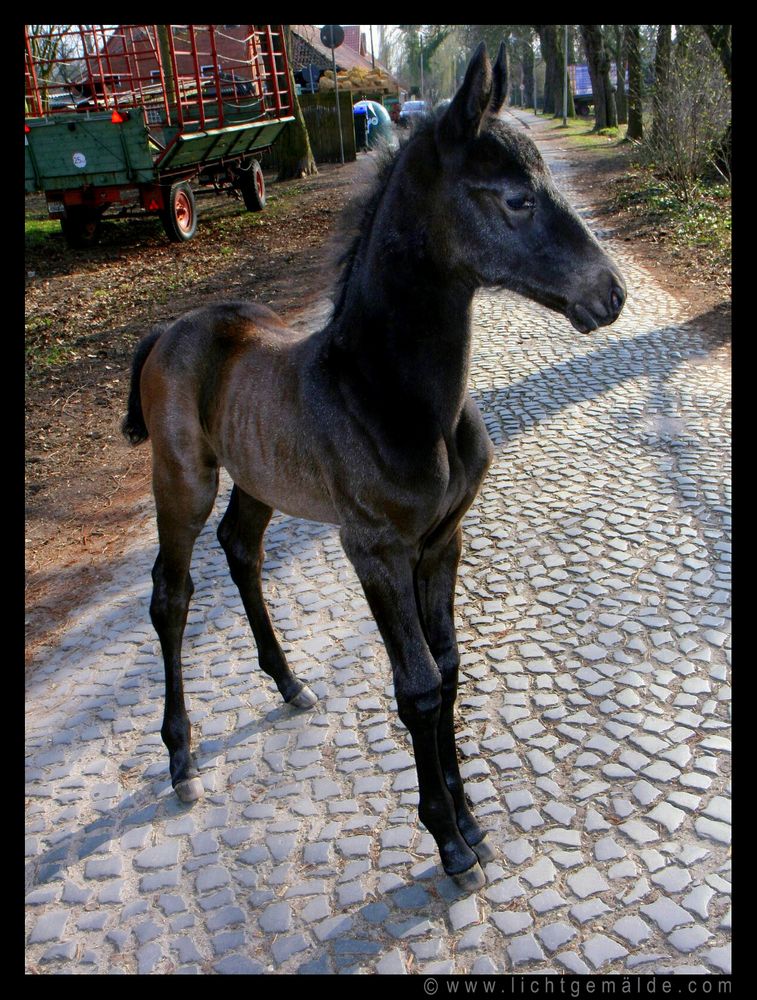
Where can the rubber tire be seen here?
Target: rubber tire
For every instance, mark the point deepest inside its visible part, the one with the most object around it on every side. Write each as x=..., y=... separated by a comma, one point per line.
x=81, y=227
x=251, y=185
x=179, y=217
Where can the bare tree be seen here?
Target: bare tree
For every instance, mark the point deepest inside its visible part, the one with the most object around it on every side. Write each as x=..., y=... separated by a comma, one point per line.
x=661, y=79
x=618, y=43
x=635, y=129
x=552, y=41
x=720, y=38
x=692, y=111
x=605, y=111
x=526, y=53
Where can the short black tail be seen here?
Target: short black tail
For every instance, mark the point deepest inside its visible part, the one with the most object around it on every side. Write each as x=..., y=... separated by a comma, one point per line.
x=134, y=427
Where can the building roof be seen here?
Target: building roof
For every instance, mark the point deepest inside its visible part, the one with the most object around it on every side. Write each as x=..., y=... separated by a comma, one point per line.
x=307, y=46
x=354, y=38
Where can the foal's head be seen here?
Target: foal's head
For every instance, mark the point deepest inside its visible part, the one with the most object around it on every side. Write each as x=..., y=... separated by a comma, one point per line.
x=498, y=218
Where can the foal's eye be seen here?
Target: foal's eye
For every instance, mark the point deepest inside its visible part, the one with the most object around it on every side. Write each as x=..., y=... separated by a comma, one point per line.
x=521, y=203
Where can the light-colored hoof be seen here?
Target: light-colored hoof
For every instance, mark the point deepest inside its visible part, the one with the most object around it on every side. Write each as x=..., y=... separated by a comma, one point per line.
x=470, y=880
x=484, y=850
x=189, y=790
x=305, y=698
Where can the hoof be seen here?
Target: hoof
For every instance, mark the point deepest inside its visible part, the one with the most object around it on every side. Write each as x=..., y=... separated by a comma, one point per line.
x=484, y=851
x=305, y=698
x=189, y=790
x=470, y=880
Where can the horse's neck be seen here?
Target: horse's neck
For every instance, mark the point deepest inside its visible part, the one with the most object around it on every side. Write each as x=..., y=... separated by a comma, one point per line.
x=405, y=322
x=412, y=341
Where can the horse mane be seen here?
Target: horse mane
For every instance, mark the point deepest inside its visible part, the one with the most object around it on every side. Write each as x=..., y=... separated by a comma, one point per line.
x=360, y=213
x=358, y=219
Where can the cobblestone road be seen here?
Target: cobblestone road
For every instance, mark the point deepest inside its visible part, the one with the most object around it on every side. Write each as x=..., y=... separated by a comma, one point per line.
x=593, y=721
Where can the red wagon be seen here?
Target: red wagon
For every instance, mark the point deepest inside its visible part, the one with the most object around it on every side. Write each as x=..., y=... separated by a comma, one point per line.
x=121, y=118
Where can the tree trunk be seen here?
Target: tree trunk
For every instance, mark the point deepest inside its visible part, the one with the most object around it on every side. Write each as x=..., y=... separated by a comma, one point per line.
x=560, y=75
x=527, y=61
x=552, y=43
x=293, y=145
x=633, y=44
x=661, y=81
x=720, y=36
x=547, y=45
x=605, y=112
x=620, y=51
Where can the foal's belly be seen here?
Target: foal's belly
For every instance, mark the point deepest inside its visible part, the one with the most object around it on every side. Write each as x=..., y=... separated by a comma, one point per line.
x=291, y=491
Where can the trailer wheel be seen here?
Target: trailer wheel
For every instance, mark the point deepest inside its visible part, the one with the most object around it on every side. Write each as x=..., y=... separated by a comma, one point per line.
x=251, y=184
x=81, y=227
x=179, y=217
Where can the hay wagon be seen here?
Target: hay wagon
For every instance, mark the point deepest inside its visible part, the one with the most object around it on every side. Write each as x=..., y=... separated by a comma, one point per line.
x=121, y=118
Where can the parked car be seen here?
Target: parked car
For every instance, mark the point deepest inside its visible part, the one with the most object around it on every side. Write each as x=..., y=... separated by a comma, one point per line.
x=411, y=110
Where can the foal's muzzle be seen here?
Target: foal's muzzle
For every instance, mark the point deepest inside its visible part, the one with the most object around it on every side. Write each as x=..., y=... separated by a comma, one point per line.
x=601, y=305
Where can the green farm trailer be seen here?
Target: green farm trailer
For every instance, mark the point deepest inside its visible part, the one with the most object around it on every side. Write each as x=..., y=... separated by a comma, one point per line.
x=121, y=118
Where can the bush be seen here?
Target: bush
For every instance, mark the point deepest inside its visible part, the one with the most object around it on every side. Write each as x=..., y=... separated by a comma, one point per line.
x=692, y=119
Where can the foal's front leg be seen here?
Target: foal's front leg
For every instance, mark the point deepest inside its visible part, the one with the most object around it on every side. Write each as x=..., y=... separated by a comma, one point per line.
x=386, y=573
x=436, y=577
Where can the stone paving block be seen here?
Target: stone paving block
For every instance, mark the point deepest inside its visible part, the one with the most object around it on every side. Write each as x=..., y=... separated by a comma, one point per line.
x=505, y=891
x=719, y=959
x=688, y=939
x=524, y=949
x=589, y=910
x=211, y=878
x=554, y=936
x=573, y=963
x=391, y=964
x=666, y=914
x=587, y=882
x=601, y=950
x=160, y=856
x=511, y=921
x=49, y=927
x=633, y=929
x=710, y=829
x=238, y=965
x=698, y=900
x=464, y=912
x=333, y=927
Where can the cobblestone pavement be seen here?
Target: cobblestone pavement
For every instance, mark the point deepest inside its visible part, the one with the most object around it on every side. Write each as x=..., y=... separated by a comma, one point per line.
x=593, y=719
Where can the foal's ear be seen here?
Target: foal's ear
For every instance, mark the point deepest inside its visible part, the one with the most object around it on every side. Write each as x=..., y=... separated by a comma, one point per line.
x=499, y=81
x=463, y=116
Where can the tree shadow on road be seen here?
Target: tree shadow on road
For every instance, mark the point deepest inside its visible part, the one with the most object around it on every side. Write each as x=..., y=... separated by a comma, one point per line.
x=657, y=424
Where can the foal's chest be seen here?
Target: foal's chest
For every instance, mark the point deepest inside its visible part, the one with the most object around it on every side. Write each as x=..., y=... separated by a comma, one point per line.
x=447, y=482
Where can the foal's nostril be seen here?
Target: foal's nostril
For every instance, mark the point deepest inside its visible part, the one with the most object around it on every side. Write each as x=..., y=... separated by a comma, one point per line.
x=617, y=300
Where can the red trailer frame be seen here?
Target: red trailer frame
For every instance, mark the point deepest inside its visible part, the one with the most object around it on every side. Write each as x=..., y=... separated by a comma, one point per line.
x=205, y=97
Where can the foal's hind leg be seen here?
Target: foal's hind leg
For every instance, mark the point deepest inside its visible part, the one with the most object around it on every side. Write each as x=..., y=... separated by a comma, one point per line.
x=184, y=497
x=435, y=580
x=241, y=535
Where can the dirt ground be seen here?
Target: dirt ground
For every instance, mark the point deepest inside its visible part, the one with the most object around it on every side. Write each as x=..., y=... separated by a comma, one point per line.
x=87, y=491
